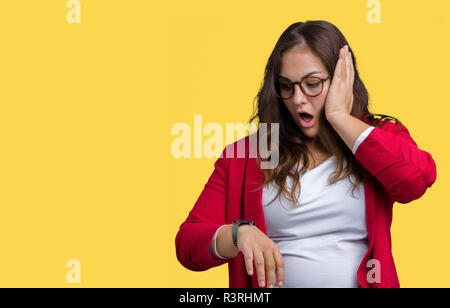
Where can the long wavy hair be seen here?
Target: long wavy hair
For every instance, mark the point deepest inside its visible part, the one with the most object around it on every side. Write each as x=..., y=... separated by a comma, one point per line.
x=324, y=40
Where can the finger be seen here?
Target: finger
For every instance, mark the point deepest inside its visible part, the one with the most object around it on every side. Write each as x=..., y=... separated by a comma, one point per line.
x=259, y=264
x=279, y=263
x=270, y=268
x=349, y=67
x=351, y=78
x=352, y=69
x=342, y=52
x=337, y=70
x=248, y=258
x=341, y=61
x=344, y=66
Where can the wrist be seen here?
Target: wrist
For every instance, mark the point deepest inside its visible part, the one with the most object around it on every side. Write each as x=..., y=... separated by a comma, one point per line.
x=224, y=244
x=336, y=117
x=237, y=225
x=243, y=229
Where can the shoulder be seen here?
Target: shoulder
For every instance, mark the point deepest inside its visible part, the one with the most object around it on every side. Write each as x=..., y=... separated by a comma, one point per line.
x=387, y=124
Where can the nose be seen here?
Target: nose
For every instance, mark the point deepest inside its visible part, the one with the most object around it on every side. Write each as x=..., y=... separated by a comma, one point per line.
x=299, y=97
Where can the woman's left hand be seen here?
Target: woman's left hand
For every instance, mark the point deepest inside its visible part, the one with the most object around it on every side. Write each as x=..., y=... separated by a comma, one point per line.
x=340, y=94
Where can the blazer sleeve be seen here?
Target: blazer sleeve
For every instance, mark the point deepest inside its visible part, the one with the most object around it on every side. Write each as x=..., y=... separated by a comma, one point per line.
x=195, y=234
x=392, y=157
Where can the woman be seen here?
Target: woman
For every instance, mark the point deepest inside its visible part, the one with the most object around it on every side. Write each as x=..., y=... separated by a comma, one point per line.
x=330, y=146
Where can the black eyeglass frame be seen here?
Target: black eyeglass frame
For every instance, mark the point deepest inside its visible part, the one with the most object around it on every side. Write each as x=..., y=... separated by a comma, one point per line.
x=291, y=84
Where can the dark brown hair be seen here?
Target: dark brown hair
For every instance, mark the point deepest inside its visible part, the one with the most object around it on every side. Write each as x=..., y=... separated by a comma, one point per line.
x=324, y=40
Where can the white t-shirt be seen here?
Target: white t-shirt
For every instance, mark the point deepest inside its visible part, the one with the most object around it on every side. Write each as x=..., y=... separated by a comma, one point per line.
x=323, y=240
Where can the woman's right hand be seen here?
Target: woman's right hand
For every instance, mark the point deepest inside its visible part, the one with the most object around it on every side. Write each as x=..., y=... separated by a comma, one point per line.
x=258, y=247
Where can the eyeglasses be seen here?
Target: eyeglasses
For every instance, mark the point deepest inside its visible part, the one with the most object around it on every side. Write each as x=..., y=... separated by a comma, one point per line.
x=310, y=86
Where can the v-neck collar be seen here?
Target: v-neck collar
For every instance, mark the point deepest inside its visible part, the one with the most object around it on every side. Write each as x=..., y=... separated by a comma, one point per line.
x=324, y=162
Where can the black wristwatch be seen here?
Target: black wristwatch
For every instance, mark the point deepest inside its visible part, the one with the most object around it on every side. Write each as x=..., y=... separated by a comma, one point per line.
x=236, y=224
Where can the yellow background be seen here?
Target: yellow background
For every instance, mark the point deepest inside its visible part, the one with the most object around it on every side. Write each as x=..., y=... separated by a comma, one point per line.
x=86, y=170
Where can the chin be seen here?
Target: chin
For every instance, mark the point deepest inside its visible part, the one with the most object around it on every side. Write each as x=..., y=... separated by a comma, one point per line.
x=310, y=132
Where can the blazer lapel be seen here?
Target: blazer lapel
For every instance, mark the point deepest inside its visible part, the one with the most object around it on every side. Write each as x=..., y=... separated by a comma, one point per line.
x=370, y=207
x=252, y=201
x=369, y=187
x=252, y=195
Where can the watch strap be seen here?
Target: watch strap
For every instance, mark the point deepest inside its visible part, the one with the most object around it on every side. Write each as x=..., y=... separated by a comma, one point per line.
x=234, y=229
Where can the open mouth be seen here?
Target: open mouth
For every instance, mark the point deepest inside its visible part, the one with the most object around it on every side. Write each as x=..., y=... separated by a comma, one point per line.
x=306, y=116
x=306, y=119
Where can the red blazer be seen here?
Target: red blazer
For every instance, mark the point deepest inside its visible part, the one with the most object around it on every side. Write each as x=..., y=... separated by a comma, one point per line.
x=395, y=170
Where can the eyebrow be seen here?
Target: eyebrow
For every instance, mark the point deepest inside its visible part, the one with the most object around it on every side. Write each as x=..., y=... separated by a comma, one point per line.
x=307, y=75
